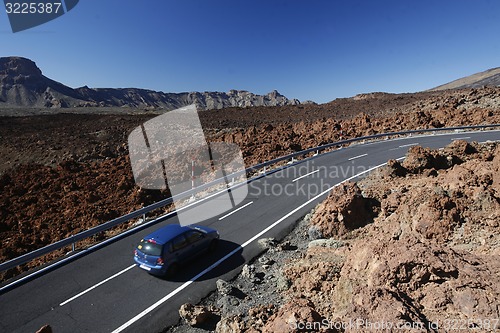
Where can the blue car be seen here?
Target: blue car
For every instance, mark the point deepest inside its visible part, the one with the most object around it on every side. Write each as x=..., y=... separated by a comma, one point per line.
x=163, y=251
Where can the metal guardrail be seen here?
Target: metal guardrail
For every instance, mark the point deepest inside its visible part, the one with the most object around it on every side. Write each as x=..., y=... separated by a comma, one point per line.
x=70, y=241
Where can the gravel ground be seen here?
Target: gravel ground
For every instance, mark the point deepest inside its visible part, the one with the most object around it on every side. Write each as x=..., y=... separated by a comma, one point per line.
x=257, y=283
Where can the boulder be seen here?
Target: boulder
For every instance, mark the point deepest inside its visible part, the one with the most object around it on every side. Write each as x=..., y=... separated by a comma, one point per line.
x=197, y=315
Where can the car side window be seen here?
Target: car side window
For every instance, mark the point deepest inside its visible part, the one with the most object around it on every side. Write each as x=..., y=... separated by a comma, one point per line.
x=193, y=236
x=178, y=243
x=168, y=247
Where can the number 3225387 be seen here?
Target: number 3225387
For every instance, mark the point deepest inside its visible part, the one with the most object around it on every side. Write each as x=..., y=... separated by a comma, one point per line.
x=33, y=7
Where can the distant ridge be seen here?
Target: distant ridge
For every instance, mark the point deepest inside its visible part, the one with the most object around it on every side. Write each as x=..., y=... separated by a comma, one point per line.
x=490, y=77
x=23, y=84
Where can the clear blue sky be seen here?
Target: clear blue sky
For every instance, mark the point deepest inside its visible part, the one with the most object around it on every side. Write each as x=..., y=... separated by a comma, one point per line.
x=316, y=49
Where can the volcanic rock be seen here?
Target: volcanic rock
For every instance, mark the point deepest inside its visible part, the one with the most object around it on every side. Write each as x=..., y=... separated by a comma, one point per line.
x=229, y=325
x=196, y=315
x=224, y=287
x=292, y=316
x=344, y=210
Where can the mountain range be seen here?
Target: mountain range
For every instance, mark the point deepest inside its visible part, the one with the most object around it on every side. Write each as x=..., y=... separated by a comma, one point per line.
x=22, y=84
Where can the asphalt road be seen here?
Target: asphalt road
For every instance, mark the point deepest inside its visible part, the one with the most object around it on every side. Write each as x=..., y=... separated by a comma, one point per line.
x=104, y=292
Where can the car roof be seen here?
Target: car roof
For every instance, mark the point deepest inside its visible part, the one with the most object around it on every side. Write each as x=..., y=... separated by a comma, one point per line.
x=166, y=233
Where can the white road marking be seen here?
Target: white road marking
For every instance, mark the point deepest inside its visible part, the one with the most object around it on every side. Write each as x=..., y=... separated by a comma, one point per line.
x=47, y=268
x=234, y=211
x=409, y=145
x=206, y=198
x=465, y=137
x=218, y=262
x=307, y=174
x=96, y=285
x=356, y=157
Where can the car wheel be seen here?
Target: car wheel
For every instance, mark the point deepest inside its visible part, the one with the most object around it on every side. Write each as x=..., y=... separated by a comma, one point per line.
x=213, y=245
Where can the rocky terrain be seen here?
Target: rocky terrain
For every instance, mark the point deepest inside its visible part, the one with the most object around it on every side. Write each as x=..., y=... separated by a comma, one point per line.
x=416, y=243
x=412, y=247
x=61, y=173
x=22, y=84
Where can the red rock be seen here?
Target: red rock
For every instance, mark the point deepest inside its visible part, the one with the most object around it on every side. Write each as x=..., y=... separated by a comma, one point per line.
x=344, y=210
x=292, y=316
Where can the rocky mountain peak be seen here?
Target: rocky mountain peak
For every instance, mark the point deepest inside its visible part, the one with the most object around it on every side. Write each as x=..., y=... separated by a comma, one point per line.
x=15, y=66
x=274, y=94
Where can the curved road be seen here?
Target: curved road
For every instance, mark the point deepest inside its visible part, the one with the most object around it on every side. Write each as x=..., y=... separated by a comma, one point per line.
x=105, y=292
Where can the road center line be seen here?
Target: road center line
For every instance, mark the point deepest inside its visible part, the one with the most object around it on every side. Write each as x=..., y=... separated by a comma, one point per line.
x=96, y=285
x=409, y=145
x=356, y=157
x=465, y=137
x=218, y=262
x=234, y=211
x=307, y=174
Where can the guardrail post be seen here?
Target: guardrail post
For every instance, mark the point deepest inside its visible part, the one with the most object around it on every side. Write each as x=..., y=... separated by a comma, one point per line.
x=73, y=245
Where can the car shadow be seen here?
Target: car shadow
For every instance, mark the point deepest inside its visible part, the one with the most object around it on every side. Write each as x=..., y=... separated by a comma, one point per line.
x=193, y=268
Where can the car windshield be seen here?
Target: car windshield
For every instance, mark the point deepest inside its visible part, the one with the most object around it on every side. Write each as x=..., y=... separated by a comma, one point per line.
x=150, y=248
